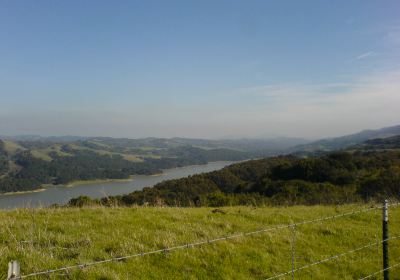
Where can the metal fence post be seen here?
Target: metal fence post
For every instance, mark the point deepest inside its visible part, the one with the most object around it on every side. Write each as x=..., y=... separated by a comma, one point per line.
x=13, y=270
x=293, y=243
x=385, y=236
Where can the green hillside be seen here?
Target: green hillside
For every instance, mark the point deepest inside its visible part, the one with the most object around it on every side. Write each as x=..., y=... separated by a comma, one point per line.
x=29, y=164
x=334, y=178
x=337, y=143
x=389, y=143
x=43, y=239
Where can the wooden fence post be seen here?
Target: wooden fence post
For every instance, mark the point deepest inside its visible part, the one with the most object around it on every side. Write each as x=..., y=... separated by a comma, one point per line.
x=13, y=270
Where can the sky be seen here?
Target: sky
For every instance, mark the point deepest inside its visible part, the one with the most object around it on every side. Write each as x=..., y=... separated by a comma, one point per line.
x=200, y=69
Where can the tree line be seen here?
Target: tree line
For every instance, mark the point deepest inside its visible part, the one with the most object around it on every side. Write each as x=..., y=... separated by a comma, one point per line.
x=338, y=177
x=34, y=172
x=3, y=160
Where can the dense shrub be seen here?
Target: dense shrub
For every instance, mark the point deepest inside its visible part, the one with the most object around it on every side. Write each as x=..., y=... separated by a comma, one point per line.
x=340, y=177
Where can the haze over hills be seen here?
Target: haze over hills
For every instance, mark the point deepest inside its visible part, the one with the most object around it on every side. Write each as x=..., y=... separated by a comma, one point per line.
x=365, y=172
x=65, y=138
x=387, y=143
x=44, y=147
x=29, y=162
x=330, y=144
x=244, y=144
x=237, y=125
x=266, y=146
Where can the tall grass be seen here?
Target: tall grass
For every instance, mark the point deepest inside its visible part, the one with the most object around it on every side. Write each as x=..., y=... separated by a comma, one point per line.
x=50, y=238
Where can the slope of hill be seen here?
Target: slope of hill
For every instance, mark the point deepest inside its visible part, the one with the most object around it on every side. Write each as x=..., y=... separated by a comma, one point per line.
x=335, y=178
x=266, y=147
x=27, y=165
x=28, y=162
x=342, y=142
x=388, y=143
x=44, y=239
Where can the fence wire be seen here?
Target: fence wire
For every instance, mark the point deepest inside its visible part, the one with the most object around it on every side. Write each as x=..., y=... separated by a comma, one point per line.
x=199, y=243
x=380, y=271
x=331, y=258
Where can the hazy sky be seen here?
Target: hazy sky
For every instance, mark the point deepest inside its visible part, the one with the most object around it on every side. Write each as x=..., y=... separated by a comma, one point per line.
x=198, y=68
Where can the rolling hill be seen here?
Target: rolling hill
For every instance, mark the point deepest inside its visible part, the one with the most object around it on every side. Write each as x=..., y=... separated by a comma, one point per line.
x=388, y=143
x=335, y=178
x=362, y=172
x=331, y=144
x=29, y=162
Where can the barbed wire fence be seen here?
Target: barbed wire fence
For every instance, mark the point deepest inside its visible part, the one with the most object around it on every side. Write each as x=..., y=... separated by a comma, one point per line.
x=332, y=258
x=14, y=266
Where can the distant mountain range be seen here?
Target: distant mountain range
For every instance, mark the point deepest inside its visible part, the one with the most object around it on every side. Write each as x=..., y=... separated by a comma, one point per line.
x=361, y=169
x=264, y=147
x=389, y=143
x=29, y=162
x=260, y=147
x=337, y=143
x=66, y=138
x=366, y=172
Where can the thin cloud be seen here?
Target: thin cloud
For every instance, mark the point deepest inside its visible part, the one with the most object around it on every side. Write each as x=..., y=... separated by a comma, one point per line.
x=292, y=109
x=364, y=55
x=329, y=109
x=291, y=91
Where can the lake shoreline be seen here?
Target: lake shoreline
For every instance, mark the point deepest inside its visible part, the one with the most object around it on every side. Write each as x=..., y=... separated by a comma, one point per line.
x=72, y=184
x=23, y=192
x=60, y=194
x=95, y=181
x=77, y=183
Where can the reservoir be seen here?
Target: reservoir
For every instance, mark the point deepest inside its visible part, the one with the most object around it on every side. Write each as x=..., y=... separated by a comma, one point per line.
x=62, y=194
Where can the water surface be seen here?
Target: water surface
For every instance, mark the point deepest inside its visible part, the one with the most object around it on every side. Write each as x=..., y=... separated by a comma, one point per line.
x=62, y=194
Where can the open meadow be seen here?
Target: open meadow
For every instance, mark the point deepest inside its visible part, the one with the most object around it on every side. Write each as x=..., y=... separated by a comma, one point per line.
x=43, y=239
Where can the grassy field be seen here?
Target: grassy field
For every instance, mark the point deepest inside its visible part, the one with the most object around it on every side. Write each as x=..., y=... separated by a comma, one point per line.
x=42, y=239
x=12, y=147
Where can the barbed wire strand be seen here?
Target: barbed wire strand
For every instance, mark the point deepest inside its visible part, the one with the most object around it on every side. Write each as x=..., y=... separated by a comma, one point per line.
x=199, y=243
x=331, y=258
x=380, y=271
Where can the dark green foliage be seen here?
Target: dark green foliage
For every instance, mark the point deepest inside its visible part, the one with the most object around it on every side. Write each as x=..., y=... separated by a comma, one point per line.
x=340, y=177
x=3, y=159
x=182, y=192
x=83, y=201
x=86, y=165
x=89, y=165
x=2, y=151
x=3, y=165
x=60, y=160
x=385, y=183
x=336, y=169
x=381, y=143
x=343, y=142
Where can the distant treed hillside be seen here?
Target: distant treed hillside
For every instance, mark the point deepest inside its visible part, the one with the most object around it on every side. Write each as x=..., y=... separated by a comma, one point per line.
x=264, y=146
x=388, y=143
x=28, y=162
x=3, y=159
x=31, y=161
x=332, y=144
x=339, y=177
